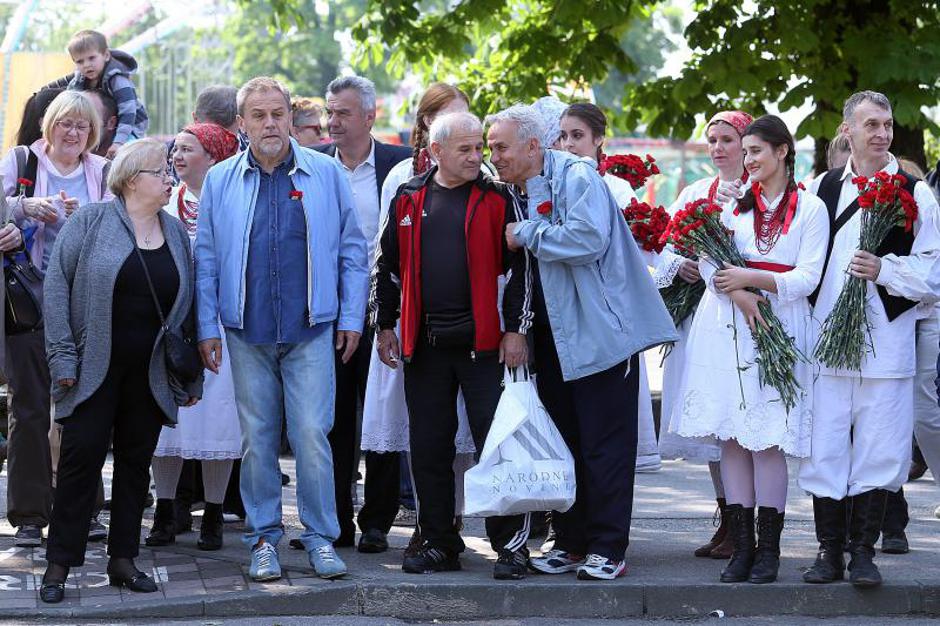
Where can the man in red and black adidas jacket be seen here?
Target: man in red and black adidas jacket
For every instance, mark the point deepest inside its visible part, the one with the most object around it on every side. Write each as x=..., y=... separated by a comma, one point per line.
x=441, y=256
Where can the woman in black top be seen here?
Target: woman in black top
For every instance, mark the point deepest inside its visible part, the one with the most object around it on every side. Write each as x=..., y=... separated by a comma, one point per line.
x=106, y=351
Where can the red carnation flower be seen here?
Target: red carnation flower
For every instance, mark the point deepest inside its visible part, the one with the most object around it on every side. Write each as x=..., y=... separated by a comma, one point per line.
x=24, y=181
x=296, y=195
x=545, y=208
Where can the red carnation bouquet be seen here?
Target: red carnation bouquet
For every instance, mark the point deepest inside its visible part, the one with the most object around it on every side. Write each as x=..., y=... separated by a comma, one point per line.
x=647, y=224
x=698, y=229
x=846, y=333
x=629, y=167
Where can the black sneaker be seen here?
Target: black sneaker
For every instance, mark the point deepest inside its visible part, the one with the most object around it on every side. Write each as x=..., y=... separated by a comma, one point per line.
x=511, y=564
x=28, y=536
x=373, y=541
x=428, y=560
x=97, y=531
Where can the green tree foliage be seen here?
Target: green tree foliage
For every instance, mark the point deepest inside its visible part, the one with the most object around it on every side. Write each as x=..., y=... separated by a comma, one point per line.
x=745, y=53
x=502, y=51
x=796, y=51
x=294, y=41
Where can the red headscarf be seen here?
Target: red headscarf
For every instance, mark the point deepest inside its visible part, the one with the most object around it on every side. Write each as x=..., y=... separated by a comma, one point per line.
x=738, y=120
x=219, y=142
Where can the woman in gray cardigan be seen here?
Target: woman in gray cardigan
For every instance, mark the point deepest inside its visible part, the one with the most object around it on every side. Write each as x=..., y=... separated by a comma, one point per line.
x=106, y=353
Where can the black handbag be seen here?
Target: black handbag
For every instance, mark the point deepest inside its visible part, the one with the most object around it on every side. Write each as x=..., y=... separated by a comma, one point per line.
x=182, y=355
x=450, y=330
x=21, y=307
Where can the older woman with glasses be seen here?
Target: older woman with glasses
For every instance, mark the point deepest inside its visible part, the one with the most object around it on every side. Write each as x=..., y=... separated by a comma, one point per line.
x=43, y=182
x=118, y=269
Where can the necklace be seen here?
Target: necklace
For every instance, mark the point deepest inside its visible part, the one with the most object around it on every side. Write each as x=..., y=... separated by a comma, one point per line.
x=148, y=237
x=188, y=211
x=768, y=226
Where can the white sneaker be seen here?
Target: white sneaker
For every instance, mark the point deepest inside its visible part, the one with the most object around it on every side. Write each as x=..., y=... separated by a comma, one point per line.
x=556, y=562
x=326, y=563
x=264, y=563
x=598, y=567
x=406, y=517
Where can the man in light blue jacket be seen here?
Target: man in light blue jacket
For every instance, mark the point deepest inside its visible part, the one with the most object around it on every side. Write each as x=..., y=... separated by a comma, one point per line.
x=282, y=263
x=596, y=309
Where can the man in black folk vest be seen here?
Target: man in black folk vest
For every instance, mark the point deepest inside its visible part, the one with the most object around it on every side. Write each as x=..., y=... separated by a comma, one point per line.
x=350, y=108
x=862, y=421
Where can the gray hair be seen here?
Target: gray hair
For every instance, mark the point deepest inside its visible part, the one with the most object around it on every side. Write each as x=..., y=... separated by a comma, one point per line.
x=550, y=109
x=216, y=104
x=528, y=122
x=133, y=157
x=861, y=96
x=363, y=86
x=446, y=125
x=260, y=83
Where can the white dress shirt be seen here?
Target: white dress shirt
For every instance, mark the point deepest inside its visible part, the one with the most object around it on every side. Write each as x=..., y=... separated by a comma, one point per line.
x=365, y=196
x=915, y=276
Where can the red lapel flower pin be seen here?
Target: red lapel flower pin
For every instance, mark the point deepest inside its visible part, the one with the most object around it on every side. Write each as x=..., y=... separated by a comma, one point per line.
x=296, y=195
x=545, y=208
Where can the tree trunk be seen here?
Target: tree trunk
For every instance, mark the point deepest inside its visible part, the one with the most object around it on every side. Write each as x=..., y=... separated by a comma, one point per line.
x=820, y=164
x=909, y=144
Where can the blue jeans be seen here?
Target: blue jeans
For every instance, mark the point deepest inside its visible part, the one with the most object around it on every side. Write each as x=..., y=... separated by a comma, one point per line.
x=297, y=380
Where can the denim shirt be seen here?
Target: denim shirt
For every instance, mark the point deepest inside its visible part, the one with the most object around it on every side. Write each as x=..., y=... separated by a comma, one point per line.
x=276, y=288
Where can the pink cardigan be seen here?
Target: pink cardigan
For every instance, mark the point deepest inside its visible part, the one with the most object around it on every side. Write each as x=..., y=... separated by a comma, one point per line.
x=93, y=165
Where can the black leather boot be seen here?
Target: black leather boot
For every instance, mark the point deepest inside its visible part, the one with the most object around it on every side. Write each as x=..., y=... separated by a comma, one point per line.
x=182, y=517
x=210, y=531
x=767, y=557
x=868, y=511
x=742, y=533
x=830, y=517
x=163, y=531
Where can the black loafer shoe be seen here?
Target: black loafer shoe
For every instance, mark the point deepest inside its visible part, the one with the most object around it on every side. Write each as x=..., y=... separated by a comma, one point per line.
x=139, y=582
x=52, y=593
x=373, y=541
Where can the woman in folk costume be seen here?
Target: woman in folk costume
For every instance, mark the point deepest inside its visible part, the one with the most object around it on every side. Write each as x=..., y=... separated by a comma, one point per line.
x=583, y=127
x=384, y=413
x=782, y=231
x=208, y=432
x=723, y=135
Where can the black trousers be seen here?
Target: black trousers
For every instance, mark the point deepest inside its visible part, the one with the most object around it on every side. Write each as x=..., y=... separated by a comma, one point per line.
x=122, y=408
x=896, y=513
x=597, y=417
x=432, y=380
x=380, y=503
x=29, y=469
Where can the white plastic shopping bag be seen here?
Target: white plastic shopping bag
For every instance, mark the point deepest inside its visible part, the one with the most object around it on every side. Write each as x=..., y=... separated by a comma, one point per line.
x=525, y=464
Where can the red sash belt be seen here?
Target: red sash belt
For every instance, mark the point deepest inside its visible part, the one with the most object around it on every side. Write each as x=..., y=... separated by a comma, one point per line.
x=770, y=267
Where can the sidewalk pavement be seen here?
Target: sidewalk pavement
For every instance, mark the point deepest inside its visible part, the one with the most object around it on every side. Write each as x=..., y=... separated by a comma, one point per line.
x=673, y=515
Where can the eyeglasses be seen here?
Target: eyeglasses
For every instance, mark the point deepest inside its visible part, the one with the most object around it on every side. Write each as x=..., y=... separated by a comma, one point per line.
x=161, y=173
x=69, y=125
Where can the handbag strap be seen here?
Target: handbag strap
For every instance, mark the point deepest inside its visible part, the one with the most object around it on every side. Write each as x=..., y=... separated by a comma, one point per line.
x=153, y=292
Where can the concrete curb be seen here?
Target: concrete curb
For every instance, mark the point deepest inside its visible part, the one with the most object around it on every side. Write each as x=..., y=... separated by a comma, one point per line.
x=458, y=601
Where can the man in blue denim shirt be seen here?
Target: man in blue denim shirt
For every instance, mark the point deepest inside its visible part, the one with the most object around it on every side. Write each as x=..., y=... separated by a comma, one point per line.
x=282, y=263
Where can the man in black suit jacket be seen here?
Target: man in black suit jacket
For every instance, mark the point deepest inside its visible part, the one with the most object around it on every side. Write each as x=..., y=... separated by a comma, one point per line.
x=350, y=107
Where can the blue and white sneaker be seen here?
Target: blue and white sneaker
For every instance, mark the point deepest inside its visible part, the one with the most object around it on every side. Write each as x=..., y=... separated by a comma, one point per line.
x=556, y=562
x=326, y=563
x=264, y=563
x=598, y=567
